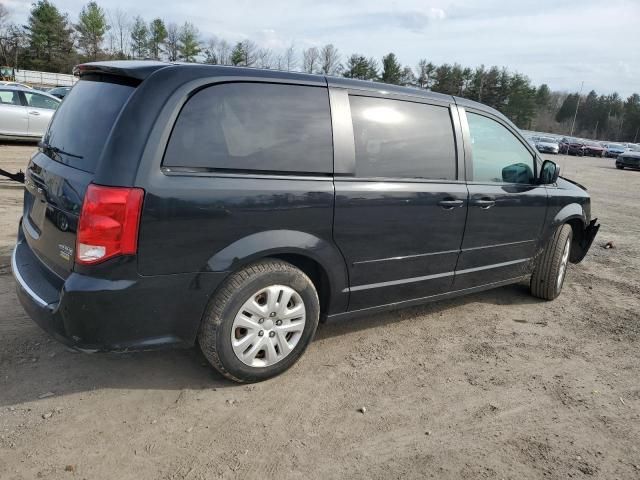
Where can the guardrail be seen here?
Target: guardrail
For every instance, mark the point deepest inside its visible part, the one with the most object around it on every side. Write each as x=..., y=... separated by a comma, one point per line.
x=45, y=79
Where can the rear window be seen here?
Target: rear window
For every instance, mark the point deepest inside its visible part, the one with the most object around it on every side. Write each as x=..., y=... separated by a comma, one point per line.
x=83, y=121
x=395, y=138
x=254, y=126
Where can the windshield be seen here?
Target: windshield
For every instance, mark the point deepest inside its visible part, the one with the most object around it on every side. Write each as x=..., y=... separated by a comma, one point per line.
x=547, y=140
x=81, y=125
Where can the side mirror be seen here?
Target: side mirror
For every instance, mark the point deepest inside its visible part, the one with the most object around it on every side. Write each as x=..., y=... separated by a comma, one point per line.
x=549, y=172
x=517, y=173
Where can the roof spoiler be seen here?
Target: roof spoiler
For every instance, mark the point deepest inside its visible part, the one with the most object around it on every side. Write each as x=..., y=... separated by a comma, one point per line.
x=136, y=70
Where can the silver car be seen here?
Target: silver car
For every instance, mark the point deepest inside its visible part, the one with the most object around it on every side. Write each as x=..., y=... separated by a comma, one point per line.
x=547, y=145
x=25, y=113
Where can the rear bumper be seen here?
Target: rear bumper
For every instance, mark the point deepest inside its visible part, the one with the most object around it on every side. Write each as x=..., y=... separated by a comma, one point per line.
x=112, y=314
x=41, y=311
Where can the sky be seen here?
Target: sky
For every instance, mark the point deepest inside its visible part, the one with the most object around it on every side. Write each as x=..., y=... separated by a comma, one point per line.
x=558, y=42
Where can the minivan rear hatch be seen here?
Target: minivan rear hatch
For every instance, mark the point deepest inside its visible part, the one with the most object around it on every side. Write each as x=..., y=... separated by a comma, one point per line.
x=59, y=173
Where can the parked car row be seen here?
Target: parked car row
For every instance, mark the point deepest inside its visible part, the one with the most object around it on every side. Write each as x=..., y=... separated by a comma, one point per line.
x=579, y=146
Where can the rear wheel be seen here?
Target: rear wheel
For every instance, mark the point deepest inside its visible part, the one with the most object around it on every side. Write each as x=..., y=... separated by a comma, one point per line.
x=620, y=167
x=551, y=268
x=260, y=321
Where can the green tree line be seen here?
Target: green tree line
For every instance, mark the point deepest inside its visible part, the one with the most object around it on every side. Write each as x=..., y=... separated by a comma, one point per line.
x=52, y=41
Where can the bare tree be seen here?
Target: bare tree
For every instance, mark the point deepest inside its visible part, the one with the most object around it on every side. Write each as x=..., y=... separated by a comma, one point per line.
x=120, y=30
x=210, y=51
x=223, y=52
x=172, y=42
x=278, y=62
x=12, y=39
x=330, y=60
x=265, y=58
x=311, y=60
x=289, y=59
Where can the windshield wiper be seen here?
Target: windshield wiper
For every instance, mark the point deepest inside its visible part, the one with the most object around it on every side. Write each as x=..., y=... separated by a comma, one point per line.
x=56, y=150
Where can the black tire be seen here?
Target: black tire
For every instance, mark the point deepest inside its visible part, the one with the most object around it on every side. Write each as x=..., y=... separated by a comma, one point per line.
x=545, y=281
x=217, y=324
x=620, y=167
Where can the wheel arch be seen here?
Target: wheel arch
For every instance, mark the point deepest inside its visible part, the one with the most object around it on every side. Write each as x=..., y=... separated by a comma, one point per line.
x=574, y=216
x=319, y=259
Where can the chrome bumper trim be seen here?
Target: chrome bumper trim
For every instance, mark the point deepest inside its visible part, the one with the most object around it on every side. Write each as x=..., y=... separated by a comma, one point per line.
x=20, y=280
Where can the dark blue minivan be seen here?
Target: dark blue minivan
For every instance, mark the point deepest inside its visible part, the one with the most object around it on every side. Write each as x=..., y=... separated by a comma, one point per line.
x=239, y=207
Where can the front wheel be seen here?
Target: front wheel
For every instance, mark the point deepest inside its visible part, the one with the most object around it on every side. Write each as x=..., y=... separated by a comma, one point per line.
x=260, y=321
x=620, y=167
x=548, y=277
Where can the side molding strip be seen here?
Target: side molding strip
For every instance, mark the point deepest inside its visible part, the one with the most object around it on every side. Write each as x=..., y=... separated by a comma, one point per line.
x=431, y=277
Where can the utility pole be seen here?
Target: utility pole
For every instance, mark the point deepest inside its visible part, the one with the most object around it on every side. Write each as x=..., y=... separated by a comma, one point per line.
x=595, y=135
x=573, y=124
x=636, y=137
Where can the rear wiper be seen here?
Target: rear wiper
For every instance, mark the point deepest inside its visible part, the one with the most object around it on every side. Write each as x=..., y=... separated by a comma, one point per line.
x=56, y=150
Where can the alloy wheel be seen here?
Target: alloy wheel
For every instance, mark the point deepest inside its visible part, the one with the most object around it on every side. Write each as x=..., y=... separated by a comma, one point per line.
x=563, y=264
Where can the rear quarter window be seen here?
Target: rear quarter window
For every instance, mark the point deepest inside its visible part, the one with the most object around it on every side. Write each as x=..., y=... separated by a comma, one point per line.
x=82, y=123
x=9, y=97
x=254, y=126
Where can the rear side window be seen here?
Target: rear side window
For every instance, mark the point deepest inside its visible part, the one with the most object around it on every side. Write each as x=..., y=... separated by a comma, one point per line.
x=36, y=100
x=83, y=121
x=9, y=97
x=394, y=138
x=254, y=126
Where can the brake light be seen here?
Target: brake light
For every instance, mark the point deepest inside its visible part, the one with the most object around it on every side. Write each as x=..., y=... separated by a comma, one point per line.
x=108, y=224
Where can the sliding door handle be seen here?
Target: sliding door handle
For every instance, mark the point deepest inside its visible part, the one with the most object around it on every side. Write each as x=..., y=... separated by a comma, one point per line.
x=483, y=203
x=450, y=203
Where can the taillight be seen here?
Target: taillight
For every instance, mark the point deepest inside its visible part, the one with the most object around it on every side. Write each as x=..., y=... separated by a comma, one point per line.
x=108, y=223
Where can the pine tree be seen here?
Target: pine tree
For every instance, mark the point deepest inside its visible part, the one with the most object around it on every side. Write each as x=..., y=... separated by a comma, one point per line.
x=391, y=69
x=245, y=54
x=189, y=42
x=139, y=38
x=358, y=66
x=49, y=40
x=91, y=27
x=568, y=108
x=157, y=36
x=543, y=96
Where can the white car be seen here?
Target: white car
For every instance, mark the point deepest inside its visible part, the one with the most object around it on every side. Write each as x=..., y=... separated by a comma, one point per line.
x=14, y=84
x=25, y=113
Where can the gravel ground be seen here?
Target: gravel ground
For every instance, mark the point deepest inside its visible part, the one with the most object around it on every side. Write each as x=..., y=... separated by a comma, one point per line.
x=493, y=385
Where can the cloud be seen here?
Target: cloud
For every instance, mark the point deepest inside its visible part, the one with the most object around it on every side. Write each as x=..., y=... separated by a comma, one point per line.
x=559, y=42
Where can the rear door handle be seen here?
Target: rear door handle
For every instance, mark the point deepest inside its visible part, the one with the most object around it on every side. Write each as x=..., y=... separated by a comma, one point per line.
x=450, y=203
x=33, y=112
x=483, y=203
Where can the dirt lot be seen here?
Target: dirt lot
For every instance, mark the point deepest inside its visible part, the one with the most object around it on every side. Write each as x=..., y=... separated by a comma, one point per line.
x=494, y=385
